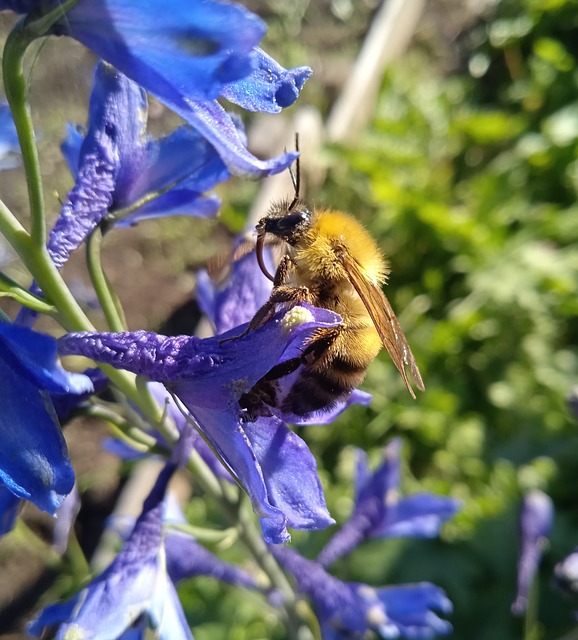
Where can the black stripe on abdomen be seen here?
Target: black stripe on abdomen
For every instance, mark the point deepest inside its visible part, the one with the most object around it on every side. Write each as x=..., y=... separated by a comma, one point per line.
x=314, y=391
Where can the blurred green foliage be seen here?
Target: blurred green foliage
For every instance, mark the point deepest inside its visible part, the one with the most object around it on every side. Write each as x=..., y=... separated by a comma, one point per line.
x=469, y=183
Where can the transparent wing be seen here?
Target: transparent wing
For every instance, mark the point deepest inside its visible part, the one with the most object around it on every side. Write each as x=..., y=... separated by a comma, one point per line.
x=384, y=319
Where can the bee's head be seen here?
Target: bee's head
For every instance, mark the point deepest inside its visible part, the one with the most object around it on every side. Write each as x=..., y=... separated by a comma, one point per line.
x=287, y=223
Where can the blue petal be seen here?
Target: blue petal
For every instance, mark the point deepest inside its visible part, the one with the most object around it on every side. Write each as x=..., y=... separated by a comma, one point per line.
x=235, y=300
x=187, y=558
x=33, y=356
x=117, y=117
x=196, y=47
x=418, y=516
x=168, y=618
x=269, y=87
x=290, y=473
x=183, y=158
x=535, y=523
x=383, y=483
x=218, y=127
x=380, y=512
x=34, y=461
x=135, y=584
x=410, y=610
x=226, y=434
x=71, y=146
x=9, y=145
x=52, y=615
x=174, y=203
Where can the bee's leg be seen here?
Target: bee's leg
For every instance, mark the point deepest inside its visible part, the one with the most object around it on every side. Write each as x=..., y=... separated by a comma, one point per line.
x=316, y=348
x=264, y=392
x=286, y=265
x=267, y=310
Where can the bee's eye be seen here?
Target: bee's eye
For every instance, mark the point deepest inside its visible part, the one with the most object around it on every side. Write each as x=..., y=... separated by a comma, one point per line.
x=291, y=220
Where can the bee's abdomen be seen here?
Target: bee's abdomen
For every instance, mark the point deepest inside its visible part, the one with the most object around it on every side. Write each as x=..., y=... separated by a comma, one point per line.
x=320, y=387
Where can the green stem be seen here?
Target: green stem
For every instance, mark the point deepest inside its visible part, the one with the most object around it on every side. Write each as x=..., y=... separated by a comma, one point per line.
x=531, y=630
x=80, y=567
x=254, y=542
x=107, y=298
x=17, y=96
x=11, y=289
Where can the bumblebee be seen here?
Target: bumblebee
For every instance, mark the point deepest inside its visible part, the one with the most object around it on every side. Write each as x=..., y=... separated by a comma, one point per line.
x=330, y=261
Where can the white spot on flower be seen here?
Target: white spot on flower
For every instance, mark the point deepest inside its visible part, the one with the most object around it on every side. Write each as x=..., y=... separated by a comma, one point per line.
x=295, y=317
x=74, y=632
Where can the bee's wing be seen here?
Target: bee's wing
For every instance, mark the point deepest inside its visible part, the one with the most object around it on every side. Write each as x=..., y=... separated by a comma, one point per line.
x=385, y=322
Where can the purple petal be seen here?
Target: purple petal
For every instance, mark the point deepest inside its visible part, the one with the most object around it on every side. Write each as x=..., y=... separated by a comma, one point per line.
x=179, y=202
x=535, y=523
x=134, y=585
x=235, y=300
x=183, y=159
x=269, y=87
x=117, y=117
x=410, y=611
x=381, y=513
x=217, y=126
x=350, y=609
x=187, y=558
x=194, y=48
x=290, y=473
x=418, y=516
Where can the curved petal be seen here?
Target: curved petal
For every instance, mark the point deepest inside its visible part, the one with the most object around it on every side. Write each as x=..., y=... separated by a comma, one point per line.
x=187, y=558
x=174, y=203
x=269, y=87
x=290, y=472
x=236, y=300
x=183, y=159
x=418, y=516
x=217, y=126
x=410, y=610
x=33, y=356
x=117, y=117
x=34, y=462
x=196, y=47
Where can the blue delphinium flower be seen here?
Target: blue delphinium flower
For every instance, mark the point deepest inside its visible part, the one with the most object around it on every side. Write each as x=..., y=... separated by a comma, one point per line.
x=351, y=609
x=133, y=593
x=380, y=512
x=185, y=557
x=187, y=57
x=119, y=168
x=208, y=377
x=536, y=518
x=34, y=463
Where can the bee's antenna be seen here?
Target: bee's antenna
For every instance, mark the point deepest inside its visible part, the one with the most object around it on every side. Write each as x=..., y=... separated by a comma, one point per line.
x=295, y=178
